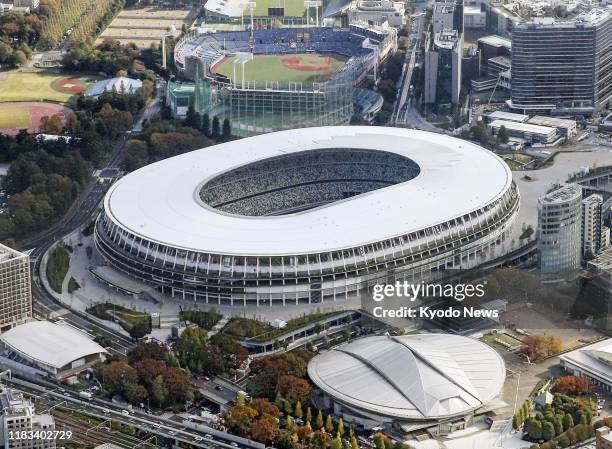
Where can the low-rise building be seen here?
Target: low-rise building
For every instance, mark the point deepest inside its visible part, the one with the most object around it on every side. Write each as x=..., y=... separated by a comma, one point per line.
x=566, y=128
x=60, y=351
x=527, y=131
x=592, y=361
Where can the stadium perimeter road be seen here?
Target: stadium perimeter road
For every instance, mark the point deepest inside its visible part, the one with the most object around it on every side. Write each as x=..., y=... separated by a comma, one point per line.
x=82, y=211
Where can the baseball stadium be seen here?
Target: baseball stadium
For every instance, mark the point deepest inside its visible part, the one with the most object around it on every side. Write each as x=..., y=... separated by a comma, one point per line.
x=274, y=79
x=308, y=215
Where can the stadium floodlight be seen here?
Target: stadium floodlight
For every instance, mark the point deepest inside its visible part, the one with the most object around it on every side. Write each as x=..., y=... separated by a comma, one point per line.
x=170, y=33
x=241, y=58
x=316, y=4
x=246, y=5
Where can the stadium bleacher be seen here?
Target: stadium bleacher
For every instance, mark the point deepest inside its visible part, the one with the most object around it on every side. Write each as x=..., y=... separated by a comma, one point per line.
x=304, y=181
x=347, y=42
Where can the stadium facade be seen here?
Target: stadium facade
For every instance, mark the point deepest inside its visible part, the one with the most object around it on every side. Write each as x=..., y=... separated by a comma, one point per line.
x=257, y=107
x=309, y=215
x=436, y=382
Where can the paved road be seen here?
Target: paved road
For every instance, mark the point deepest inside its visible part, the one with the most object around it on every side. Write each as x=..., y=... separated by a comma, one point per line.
x=82, y=211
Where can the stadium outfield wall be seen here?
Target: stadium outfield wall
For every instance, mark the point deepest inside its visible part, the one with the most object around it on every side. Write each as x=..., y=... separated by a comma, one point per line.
x=308, y=215
x=255, y=108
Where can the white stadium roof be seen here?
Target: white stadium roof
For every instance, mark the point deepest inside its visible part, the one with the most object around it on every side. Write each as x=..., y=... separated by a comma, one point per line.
x=417, y=377
x=160, y=202
x=49, y=343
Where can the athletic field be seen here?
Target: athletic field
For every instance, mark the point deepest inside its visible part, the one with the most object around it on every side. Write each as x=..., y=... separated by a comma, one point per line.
x=41, y=86
x=27, y=115
x=305, y=67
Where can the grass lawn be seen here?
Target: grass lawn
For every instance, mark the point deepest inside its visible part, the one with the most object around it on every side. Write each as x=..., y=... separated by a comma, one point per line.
x=490, y=339
x=306, y=67
x=14, y=117
x=57, y=268
x=293, y=8
x=34, y=87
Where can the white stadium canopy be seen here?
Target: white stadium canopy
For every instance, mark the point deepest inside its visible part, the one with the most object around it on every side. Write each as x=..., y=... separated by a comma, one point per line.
x=161, y=202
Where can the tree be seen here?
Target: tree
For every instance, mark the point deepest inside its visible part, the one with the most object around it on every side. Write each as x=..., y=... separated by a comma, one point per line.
x=502, y=134
x=568, y=421
x=227, y=130
x=240, y=399
x=215, y=128
x=205, y=125
x=538, y=346
x=51, y=125
x=379, y=441
x=516, y=425
x=294, y=388
x=534, y=428
x=573, y=385
x=341, y=426
x=192, y=118
x=116, y=375
x=19, y=57
x=548, y=430
x=136, y=394
x=308, y=414
x=354, y=444
x=264, y=407
x=190, y=348
x=319, y=420
x=141, y=328
x=329, y=424
x=136, y=155
x=298, y=410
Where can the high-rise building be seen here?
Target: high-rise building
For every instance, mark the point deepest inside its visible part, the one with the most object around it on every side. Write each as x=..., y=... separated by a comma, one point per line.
x=562, y=66
x=15, y=291
x=559, y=230
x=18, y=415
x=594, y=234
x=443, y=68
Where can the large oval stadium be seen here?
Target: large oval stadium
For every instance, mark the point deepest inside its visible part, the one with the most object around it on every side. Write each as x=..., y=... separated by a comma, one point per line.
x=307, y=215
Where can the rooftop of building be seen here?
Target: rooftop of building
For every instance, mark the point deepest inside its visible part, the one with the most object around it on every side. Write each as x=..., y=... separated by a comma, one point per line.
x=563, y=194
x=595, y=359
x=523, y=127
x=49, y=343
x=7, y=254
x=496, y=41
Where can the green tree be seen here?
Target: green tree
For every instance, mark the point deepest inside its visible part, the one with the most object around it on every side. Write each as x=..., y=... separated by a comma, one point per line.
x=568, y=421
x=205, y=125
x=548, y=430
x=240, y=399
x=341, y=426
x=227, y=130
x=298, y=410
x=215, y=128
x=515, y=422
x=502, y=134
x=319, y=420
x=309, y=415
x=534, y=428
x=354, y=444
x=192, y=117
x=329, y=424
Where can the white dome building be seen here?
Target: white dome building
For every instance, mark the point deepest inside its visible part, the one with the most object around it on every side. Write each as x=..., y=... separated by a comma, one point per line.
x=439, y=382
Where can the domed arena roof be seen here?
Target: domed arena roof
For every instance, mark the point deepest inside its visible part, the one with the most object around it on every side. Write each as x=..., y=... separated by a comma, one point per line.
x=411, y=377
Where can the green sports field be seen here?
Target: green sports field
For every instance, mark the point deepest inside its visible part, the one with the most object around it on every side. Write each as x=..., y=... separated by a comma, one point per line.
x=293, y=8
x=304, y=67
x=40, y=86
x=15, y=117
